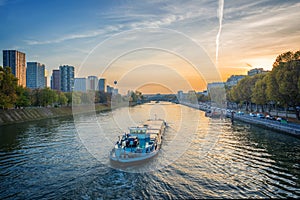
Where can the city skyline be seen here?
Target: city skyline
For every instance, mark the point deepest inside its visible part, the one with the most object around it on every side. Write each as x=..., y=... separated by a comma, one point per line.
x=63, y=79
x=157, y=44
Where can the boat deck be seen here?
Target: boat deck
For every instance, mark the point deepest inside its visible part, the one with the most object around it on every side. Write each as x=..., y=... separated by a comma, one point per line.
x=142, y=142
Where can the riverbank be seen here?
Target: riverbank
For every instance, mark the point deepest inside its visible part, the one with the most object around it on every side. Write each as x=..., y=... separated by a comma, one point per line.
x=289, y=128
x=13, y=116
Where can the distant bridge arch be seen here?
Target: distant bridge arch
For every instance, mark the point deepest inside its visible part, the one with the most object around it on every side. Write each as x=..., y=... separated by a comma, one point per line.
x=161, y=97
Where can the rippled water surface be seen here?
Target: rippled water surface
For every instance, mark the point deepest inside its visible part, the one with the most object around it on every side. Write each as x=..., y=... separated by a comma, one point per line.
x=200, y=158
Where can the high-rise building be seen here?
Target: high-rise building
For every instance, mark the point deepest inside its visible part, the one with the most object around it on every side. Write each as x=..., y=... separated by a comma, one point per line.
x=92, y=83
x=115, y=91
x=102, y=84
x=255, y=71
x=46, y=80
x=66, y=78
x=180, y=95
x=35, y=75
x=217, y=86
x=233, y=80
x=80, y=84
x=55, y=80
x=109, y=89
x=17, y=62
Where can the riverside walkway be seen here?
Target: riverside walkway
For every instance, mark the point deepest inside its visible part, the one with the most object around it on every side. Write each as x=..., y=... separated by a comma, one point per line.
x=290, y=128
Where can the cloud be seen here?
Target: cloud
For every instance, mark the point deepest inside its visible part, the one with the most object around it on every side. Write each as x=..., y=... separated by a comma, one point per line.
x=250, y=29
x=88, y=34
x=131, y=18
x=263, y=31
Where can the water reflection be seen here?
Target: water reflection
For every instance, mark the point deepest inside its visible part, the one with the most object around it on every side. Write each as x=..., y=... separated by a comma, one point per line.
x=47, y=159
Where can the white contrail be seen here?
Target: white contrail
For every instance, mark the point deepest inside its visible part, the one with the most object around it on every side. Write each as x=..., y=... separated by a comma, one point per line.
x=221, y=7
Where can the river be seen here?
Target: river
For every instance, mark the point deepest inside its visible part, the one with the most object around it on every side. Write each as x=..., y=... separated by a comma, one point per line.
x=67, y=158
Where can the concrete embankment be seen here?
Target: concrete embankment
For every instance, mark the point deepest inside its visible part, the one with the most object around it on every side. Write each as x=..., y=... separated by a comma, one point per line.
x=31, y=114
x=289, y=128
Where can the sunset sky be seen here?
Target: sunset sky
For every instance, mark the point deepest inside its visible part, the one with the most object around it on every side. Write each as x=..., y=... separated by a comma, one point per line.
x=171, y=45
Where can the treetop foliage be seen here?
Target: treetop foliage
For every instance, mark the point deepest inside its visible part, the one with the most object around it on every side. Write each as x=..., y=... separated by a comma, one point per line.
x=280, y=86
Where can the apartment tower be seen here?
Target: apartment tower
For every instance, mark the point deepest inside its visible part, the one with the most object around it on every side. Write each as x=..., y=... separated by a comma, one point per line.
x=17, y=62
x=35, y=75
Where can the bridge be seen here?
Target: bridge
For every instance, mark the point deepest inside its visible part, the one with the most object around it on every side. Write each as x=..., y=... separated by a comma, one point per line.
x=160, y=97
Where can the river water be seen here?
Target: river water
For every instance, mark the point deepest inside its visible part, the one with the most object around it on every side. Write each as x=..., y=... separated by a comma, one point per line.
x=67, y=158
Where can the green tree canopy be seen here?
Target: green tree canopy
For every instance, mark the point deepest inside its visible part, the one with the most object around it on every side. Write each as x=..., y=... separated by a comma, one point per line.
x=259, y=91
x=23, y=97
x=8, y=86
x=286, y=57
x=48, y=97
x=243, y=90
x=62, y=99
x=69, y=97
x=76, y=98
x=285, y=82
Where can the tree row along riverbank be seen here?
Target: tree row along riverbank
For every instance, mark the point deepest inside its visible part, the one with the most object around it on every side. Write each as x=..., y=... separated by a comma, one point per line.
x=13, y=116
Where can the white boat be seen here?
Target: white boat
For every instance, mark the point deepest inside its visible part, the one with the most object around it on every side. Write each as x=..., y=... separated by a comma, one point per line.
x=141, y=143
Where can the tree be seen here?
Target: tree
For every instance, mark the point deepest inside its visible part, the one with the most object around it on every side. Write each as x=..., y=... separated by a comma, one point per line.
x=243, y=90
x=76, y=98
x=259, y=92
x=286, y=79
x=69, y=97
x=297, y=55
x=47, y=97
x=62, y=99
x=8, y=85
x=133, y=96
x=34, y=97
x=284, y=57
x=202, y=97
x=232, y=95
x=283, y=82
x=23, y=97
x=102, y=97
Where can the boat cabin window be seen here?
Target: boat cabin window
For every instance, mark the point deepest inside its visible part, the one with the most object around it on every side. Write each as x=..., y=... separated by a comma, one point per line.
x=138, y=131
